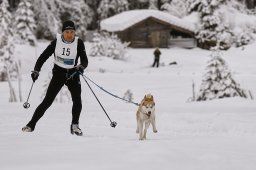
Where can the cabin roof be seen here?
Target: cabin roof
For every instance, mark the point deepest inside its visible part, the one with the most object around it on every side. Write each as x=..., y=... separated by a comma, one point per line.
x=127, y=19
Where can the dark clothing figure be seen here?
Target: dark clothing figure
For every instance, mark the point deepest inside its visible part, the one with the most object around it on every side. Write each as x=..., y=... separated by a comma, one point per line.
x=59, y=79
x=157, y=54
x=66, y=55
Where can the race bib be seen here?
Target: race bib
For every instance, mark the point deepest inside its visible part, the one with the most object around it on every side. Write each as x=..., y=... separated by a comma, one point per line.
x=65, y=53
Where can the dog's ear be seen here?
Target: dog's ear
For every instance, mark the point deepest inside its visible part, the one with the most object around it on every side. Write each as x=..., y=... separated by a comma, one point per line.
x=142, y=101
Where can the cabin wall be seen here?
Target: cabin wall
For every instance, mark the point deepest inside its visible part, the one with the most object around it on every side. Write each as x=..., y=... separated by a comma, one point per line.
x=147, y=34
x=151, y=33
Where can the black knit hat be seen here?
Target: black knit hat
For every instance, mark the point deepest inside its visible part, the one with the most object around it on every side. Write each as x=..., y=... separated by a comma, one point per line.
x=68, y=25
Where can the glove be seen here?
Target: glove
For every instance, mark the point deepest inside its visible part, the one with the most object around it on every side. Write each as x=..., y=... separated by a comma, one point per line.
x=80, y=68
x=34, y=75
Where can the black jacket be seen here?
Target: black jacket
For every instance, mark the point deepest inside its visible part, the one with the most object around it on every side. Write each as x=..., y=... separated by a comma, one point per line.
x=157, y=54
x=51, y=48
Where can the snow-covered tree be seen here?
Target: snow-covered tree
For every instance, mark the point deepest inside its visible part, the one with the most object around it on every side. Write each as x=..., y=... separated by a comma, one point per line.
x=217, y=23
x=217, y=81
x=177, y=8
x=249, y=3
x=244, y=32
x=97, y=46
x=82, y=16
x=108, y=8
x=47, y=18
x=244, y=37
x=77, y=11
x=114, y=47
x=128, y=95
x=212, y=29
x=109, y=46
x=50, y=14
x=120, y=5
x=14, y=4
x=25, y=23
x=8, y=64
x=138, y=4
x=104, y=9
x=239, y=5
x=153, y=4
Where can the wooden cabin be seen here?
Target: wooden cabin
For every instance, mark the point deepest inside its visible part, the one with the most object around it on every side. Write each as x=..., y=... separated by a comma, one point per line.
x=149, y=29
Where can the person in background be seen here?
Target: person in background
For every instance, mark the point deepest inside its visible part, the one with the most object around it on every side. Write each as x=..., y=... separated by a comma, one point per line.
x=157, y=54
x=67, y=49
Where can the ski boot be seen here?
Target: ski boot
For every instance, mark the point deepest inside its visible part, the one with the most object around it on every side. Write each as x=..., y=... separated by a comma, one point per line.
x=74, y=129
x=27, y=129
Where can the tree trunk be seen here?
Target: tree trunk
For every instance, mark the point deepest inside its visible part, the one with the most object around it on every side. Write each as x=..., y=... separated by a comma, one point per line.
x=13, y=97
x=18, y=65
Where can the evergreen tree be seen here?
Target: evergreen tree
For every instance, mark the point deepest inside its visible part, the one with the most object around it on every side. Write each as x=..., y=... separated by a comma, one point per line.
x=82, y=15
x=177, y=8
x=109, y=46
x=139, y=4
x=6, y=41
x=128, y=95
x=77, y=11
x=25, y=23
x=108, y=8
x=14, y=4
x=212, y=27
x=217, y=81
x=104, y=9
x=147, y=4
x=250, y=3
x=47, y=18
x=93, y=4
x=153, y=4
x=97, y=46
x=8, y=64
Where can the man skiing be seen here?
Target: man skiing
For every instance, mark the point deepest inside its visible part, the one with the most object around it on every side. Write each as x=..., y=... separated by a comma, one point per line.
x=67, y=49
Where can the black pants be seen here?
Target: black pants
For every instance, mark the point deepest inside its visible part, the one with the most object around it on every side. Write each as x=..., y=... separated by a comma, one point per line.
x=60, y=77
x=156, y=62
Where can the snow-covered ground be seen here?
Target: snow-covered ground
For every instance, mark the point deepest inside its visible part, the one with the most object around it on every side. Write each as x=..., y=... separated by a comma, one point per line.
x=211, y=135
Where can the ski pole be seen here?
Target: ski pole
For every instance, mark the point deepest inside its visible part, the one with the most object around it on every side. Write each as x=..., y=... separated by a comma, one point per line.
x=112, y=123
x=26, y=105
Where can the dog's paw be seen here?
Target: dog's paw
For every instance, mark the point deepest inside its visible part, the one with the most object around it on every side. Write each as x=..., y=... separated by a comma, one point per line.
x=155, y=131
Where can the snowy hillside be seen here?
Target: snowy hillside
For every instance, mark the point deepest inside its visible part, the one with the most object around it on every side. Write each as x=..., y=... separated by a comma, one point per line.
x=212, y=135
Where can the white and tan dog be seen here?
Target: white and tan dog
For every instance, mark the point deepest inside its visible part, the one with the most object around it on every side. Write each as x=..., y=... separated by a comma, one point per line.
x=146, y=115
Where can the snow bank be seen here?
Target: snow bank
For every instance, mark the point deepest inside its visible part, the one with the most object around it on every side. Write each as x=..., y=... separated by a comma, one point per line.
x=212, y=135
